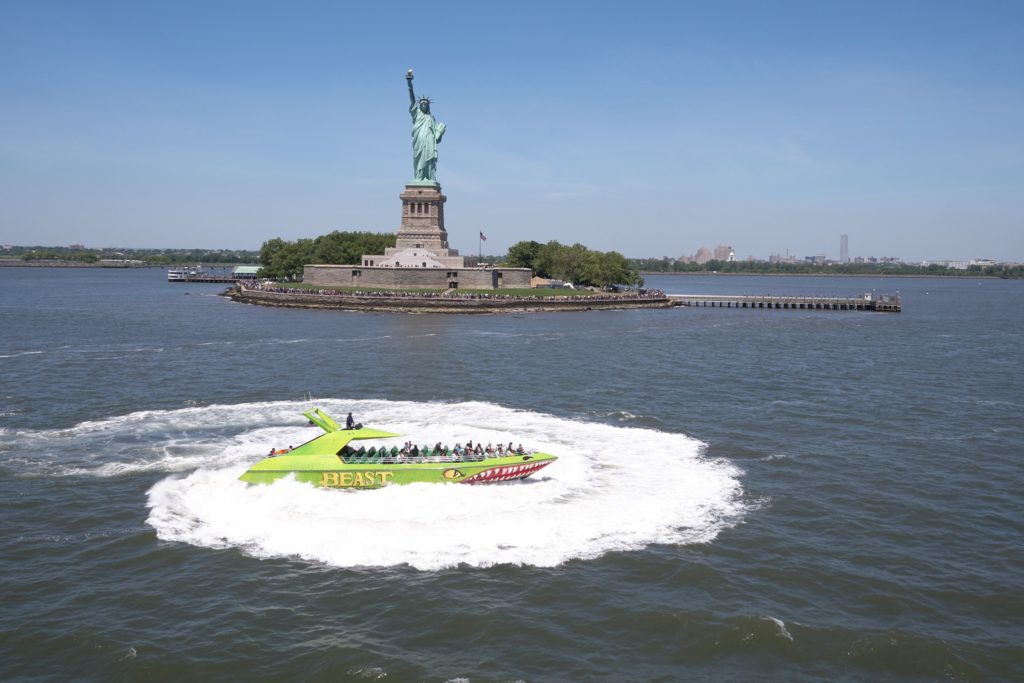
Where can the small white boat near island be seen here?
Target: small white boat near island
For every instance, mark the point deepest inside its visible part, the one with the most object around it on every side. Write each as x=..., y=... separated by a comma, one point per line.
x=180, y=274
x=212, y=275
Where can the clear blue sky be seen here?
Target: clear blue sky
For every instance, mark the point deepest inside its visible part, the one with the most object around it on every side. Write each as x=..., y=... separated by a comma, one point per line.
x=644, y=127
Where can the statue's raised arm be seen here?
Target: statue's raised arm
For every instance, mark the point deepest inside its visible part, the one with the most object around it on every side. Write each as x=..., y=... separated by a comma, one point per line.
x=408, y=79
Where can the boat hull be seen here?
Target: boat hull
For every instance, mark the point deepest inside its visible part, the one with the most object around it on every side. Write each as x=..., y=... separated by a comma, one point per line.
x=331, y=472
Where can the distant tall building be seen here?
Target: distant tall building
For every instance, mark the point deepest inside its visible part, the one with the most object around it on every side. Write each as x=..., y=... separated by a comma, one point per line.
x=722, y=253
x=844, y=249
x=702, y=256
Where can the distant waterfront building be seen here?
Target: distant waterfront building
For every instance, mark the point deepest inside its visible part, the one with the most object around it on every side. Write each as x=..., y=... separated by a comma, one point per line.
x=961, y=264
x=246, y=272
x=779, y=258
x=844, y=249
x=703, y=255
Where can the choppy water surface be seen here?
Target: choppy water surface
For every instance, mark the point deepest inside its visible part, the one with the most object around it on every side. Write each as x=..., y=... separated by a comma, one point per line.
x=740, y=495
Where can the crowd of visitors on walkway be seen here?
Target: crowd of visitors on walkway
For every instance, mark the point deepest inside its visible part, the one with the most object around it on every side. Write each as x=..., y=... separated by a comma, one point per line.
x=273, y=287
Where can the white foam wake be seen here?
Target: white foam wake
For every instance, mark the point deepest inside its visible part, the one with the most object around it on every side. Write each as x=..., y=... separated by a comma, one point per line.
x=612, y=489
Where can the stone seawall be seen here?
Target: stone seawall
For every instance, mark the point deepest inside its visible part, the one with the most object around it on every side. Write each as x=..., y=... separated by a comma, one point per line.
x=351, y=302
x=416, y=278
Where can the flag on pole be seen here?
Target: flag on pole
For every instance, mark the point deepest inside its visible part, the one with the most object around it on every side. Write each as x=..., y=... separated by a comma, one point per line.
x=483, y=236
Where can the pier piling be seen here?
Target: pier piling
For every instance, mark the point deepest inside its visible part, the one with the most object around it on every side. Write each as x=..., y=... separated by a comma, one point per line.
x=885, y=303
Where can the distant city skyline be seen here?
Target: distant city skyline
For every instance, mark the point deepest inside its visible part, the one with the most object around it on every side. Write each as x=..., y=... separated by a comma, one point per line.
x=702, y=255
x=650, y=128
x=724, y=252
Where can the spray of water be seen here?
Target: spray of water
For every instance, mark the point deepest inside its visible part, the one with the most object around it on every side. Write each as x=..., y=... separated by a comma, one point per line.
x=612, y=489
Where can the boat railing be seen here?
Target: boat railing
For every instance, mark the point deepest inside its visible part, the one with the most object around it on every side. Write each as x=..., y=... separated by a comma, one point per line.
x=359, y=457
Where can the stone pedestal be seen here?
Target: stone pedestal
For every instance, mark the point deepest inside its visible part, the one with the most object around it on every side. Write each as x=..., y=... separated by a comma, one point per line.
x=422, y=219
x=420, y=258
x=422, y=241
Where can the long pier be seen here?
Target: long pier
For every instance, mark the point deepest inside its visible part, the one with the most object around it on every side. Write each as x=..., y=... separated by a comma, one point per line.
x=224, y=279
x=885, y=303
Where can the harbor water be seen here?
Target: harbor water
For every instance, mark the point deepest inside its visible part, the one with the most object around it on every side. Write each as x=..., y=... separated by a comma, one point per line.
x=756, y=495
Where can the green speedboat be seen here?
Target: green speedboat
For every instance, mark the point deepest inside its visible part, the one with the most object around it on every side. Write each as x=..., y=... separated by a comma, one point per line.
x=331, y=460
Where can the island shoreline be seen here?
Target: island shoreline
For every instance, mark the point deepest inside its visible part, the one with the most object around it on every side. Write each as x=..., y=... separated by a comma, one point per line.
x=413, y=304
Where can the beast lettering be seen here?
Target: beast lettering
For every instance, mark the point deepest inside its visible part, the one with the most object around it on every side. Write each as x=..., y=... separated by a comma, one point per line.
x=362, y=480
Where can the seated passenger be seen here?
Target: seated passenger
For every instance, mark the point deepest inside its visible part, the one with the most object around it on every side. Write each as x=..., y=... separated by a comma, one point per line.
x=415, y=450
x=501, y=450
x=520, y=450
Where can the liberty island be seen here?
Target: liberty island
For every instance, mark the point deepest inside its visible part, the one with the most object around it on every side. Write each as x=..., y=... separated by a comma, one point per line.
x=423, y=261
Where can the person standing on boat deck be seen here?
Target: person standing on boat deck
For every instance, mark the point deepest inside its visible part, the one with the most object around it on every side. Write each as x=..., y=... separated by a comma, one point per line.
x=349, y=422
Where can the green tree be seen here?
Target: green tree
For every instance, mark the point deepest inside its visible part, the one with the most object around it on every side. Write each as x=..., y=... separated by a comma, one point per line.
x=547, y=260
x=523, y=254
x=281, y=259
x=576, y=264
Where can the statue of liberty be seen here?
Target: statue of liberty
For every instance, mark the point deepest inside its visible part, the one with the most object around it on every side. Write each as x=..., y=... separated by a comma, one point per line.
x=426, y=134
